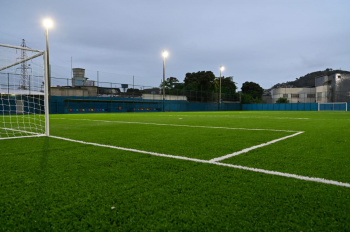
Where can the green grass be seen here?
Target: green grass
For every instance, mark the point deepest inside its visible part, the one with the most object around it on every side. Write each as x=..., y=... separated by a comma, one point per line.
x=50, y=184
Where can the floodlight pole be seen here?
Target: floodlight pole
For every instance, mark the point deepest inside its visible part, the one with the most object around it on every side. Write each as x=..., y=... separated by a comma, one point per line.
x=163, y=82
x=221, y=69
x=164, y=54
x=47, y=23
x=220, y=87
x=48, y=62
x=46, y=94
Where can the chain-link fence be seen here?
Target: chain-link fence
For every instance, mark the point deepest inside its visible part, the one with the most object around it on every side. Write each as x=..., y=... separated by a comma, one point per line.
x=63, y=87
x=87, y=83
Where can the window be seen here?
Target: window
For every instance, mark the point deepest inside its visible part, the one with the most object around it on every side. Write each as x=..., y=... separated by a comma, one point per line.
x=311, y=95
x=319, y=94
x=285, y=95
x=295, y=95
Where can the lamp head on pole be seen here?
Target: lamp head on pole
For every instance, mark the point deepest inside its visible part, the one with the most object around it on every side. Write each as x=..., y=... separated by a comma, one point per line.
x=165, y=53
x=222, y=68
x=48, y=23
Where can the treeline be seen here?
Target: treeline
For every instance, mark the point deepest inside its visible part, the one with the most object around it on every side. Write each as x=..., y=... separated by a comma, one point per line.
x=203, y=86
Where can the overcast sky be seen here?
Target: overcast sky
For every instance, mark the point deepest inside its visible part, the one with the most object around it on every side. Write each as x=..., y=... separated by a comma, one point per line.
x=264, y=41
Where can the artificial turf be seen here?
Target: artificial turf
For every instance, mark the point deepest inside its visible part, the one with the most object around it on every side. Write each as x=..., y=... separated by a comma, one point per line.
x=50, y=184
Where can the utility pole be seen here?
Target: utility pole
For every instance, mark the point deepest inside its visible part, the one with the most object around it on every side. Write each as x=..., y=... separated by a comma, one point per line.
x=24, y=82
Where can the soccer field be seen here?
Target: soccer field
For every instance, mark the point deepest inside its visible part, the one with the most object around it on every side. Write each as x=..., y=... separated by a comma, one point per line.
x=201, y=171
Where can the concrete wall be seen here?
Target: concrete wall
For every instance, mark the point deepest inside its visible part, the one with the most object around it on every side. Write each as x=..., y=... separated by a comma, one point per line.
x=160, y=97
x=75, y=91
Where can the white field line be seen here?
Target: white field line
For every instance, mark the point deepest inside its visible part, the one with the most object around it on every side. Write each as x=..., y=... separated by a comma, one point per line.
x=305, y=178
x=210, y=127
x=234, y=117
x=254, y=147
x=181, y=125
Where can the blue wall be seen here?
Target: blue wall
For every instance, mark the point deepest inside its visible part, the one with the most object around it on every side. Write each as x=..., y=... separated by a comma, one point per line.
x=60, y=105
x=31, y=105
x=281, y=107
x=292, y=107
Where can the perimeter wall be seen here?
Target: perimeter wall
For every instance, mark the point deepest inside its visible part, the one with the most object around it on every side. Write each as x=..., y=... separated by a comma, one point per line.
x=290, y=107
x=281, y=107
x=62, y=105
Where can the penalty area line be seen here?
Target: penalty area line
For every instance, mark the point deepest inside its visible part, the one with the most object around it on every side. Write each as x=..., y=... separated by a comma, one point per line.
x=288, y=175
x=254, y=147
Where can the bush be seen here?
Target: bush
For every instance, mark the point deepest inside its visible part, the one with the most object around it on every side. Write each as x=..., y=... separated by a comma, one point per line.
x=282, y=100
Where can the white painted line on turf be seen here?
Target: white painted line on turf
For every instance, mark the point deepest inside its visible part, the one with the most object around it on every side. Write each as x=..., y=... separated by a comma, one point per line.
x=211, y=127
x=182, y=125
x=294, y=176
x=253, y=147
x=130, y=149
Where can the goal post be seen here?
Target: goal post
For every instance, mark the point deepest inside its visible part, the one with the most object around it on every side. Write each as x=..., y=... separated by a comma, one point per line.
x=24, y=100
x=333, y=106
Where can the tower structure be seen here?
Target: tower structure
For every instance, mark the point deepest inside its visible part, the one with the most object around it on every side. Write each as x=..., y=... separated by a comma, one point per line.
x=24, y=67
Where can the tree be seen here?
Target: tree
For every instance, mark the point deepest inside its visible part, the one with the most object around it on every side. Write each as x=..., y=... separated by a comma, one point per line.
x=200, y=81
x=246, y=99
x=228, y=88
x=173, y=87
x=282, y=100
x=252, y=89
x=203, y=82
x=170, y=82
x=201, y=86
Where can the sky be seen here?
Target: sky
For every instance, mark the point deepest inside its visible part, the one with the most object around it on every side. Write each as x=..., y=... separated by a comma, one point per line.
x=263, y=41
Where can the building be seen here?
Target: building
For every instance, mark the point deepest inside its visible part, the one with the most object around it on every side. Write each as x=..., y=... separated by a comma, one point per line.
x=81, y=86
x=294, y=95
x=79, y=78
x=332, y=88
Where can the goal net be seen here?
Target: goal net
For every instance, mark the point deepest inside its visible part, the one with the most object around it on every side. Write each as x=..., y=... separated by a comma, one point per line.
x=23, y=92
x=334, y=106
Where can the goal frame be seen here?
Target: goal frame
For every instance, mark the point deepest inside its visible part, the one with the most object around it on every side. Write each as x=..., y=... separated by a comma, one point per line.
x=331, y=103
x=46, y=83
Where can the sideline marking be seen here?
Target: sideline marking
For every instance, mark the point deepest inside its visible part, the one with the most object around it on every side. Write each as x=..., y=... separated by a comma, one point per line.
x=181, y=125
x=288, y=175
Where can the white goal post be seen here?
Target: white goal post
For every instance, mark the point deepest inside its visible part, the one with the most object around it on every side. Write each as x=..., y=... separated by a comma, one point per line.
x=24, y=100
x=333, y=106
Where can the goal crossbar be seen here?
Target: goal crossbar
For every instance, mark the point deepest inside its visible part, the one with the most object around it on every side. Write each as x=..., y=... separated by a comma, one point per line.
x=18, y=47
x=22, y=61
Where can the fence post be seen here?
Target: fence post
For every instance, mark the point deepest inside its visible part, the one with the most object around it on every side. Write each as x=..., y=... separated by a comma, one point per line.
x=98, y=79
x=8, y=83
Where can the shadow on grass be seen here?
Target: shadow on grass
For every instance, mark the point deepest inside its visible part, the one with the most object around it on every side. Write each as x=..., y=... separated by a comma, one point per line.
x=41, y=203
